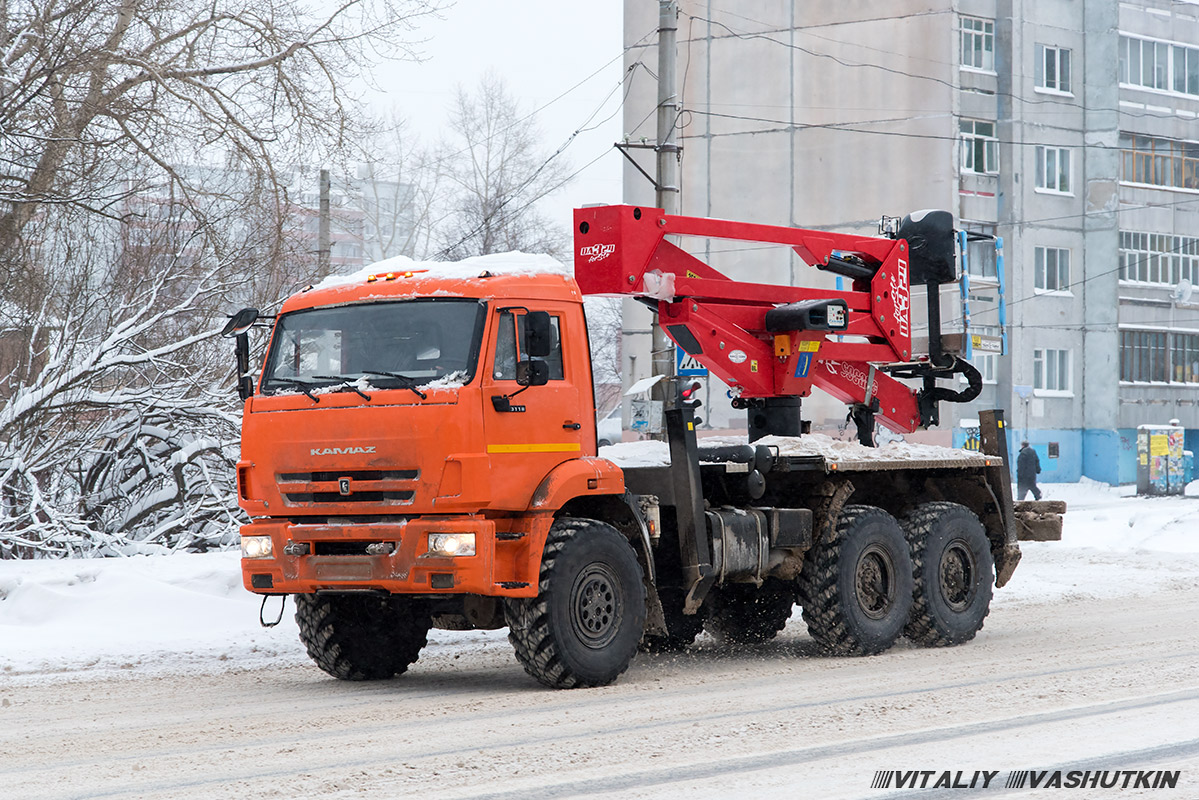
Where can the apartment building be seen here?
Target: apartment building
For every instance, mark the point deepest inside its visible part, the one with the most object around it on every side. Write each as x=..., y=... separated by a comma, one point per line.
x=1065, y=127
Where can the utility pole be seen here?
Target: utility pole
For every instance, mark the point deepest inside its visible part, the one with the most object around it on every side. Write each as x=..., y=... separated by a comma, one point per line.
x=323, y=236
x=667, y=178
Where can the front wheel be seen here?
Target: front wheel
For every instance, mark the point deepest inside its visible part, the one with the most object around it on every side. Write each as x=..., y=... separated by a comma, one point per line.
x=583, y=627
x=954, y=574
x=362, y=637
x=856, y=588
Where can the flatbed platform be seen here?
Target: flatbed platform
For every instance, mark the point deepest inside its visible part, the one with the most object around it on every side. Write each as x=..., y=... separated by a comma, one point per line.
x=796, y=453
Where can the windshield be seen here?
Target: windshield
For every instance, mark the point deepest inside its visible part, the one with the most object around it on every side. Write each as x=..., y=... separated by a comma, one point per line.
x=392, y=344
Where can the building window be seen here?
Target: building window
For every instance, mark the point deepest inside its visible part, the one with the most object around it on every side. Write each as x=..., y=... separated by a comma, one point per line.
x=1186, y=70
x=980, y=253
x=986, y=363
x=1185, y=363
x=1143, y=356
x=1051, y=370
x=1159, y=258
x=980, y=148
x=1052, y=269
x=1159, y=65
x=1052, y=71
x=1159, y=162
x=978, y=43
x=1053, y=169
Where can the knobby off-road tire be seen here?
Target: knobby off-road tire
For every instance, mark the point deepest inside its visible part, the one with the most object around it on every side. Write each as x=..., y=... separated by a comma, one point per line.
x=746, y=614
x=856, y=588
x=362, y=637
x=583, y=627
x=681, y=629
x=954, y=574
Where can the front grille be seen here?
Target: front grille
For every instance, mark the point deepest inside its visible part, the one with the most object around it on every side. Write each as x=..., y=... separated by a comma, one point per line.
x=353, y=497
x=353, y=474
x=361, y=486
x=340, y=548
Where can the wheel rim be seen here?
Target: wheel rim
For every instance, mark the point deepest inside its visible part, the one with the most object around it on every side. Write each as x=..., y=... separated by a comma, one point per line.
x=958, y=575
x=595, y=605
x=874, y=581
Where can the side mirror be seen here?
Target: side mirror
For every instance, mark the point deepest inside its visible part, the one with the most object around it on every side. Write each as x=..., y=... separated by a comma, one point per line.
x=539, y=335
x=240, y=322
x=532, y=372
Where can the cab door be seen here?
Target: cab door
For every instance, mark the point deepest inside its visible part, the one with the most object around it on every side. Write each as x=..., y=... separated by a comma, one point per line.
x=531, y=430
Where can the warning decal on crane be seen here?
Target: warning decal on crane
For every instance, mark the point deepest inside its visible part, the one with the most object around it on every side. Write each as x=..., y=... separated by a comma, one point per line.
x=807, y=351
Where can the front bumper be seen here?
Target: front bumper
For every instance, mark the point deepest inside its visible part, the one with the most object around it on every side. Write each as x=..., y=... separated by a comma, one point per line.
x=337, y=558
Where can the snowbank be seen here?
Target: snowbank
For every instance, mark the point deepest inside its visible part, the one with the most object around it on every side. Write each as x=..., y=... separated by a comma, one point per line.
x=188, y=613
x=497, y=264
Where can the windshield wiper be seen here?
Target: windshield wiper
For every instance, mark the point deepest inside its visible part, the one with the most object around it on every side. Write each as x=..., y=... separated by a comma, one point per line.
x=346, y=383
x=301, y=384
x=408, y=381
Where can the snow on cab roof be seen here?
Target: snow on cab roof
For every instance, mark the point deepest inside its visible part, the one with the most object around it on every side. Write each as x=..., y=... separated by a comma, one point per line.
x=513, y=263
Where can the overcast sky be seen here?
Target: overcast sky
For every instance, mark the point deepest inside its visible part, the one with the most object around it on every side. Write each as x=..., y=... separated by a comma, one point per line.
x=541, y=48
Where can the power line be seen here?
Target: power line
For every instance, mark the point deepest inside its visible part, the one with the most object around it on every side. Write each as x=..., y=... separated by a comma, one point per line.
x=502, y=216
x=785, y=126
x=545, y=105
x=867, y=65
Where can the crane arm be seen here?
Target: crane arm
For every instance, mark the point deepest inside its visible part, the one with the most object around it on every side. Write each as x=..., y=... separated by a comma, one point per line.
x=765, y=340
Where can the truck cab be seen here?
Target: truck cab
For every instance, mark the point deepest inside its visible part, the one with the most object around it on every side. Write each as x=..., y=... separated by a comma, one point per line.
x=400, y=431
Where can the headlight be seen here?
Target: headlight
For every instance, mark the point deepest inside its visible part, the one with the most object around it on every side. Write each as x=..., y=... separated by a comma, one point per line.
x=256, y=547
x=451, y=544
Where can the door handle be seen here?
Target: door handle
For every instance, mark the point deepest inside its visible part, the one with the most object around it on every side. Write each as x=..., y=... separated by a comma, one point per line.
x=571, y=426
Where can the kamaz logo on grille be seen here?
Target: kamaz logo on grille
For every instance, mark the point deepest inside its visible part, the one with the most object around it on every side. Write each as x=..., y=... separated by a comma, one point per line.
x=597, y=252
x=340, y=451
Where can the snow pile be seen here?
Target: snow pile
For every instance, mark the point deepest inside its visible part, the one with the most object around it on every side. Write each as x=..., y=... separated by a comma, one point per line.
x=131, y=612
x=651, y=453
x=513, y=263
x=646, y=454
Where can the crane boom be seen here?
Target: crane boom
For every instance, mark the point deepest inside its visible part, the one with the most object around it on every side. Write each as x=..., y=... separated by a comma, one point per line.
x=769, y=342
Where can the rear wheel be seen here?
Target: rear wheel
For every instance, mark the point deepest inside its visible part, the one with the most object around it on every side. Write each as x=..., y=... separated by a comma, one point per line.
x=746, y=614
x=583, y=627
x=954, y=574
x=856, y=588
x=362, y=637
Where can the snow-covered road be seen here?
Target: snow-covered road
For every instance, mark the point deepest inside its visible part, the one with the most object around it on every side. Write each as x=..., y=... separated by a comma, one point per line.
x=150, y=678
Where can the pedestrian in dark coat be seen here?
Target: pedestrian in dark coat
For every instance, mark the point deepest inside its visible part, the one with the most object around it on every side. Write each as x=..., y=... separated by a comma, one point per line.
x=1028, y=467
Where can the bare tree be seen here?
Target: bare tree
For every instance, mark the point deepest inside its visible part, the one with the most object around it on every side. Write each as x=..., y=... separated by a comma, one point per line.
x=89, y=88
x=397, y=190
x=604, y=323
x=141, y=197
x=496, y=171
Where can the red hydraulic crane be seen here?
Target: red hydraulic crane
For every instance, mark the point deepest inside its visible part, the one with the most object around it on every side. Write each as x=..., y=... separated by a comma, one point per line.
x=771, y=343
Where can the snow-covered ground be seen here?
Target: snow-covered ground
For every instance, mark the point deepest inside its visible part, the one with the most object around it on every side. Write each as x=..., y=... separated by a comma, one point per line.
x=189, y=613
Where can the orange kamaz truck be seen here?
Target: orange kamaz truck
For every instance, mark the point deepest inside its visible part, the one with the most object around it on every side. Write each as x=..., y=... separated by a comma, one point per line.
x=419, y=451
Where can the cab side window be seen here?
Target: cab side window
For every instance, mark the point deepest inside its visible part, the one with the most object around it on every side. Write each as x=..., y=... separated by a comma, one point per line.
x=512, y=331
